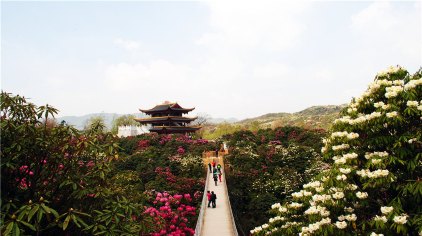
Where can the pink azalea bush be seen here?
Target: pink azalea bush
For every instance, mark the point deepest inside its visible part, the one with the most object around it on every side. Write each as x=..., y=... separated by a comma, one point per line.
x=172, y=214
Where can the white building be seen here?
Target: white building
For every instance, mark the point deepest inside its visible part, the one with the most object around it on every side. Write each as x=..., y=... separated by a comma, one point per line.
x=126, y=131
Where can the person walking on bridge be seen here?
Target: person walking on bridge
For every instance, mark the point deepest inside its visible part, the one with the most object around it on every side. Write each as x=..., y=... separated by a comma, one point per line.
x=213, y=198
x=215, y=178
x=209, y=166
x=219, y=175
x=209, y=198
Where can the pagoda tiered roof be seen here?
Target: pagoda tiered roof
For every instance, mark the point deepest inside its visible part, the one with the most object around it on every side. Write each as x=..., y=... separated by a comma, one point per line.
x=160, y=119
x=167, y=107
x=174, y=129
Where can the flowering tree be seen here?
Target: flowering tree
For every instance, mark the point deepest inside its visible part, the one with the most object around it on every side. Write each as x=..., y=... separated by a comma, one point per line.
x=172, y=214
x=54, y=178
x=267, y=165
x=374, y=185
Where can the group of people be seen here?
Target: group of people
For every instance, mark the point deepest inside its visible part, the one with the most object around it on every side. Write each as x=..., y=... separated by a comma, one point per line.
x=211, y=198
x=215, y=169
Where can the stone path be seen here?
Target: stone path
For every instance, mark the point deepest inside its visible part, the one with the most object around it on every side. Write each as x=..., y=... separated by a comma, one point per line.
x=218, y=221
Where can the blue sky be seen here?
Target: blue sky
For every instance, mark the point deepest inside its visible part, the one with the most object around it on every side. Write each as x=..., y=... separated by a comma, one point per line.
x=226, y=58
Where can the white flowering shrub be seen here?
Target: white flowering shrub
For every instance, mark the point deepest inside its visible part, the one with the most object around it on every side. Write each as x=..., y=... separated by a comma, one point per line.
x=374, y=186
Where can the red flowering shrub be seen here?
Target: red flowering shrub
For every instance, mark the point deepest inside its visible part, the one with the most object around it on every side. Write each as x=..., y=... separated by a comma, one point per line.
x=173, y=214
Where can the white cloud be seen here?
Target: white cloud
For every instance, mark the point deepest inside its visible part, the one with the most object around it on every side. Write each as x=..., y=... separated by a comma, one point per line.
x=392, y=28
x=157, y=74
x=271, y=25
x=129, y=45
x=272, y=71
x=377, y=16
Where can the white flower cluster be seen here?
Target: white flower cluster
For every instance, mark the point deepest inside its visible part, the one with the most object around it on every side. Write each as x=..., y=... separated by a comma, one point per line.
x=349, y=209
x=352, y=187
x=386, y=210
x=301, y=193
x=360, y=119
x=343, y=159
x=375, y=234
x=350, y=217
x=295, y=205
x=390, y=70
x=393, y=91
x=341, y=224
x=314, y=184
x=392, y=114
x=275, y=205
x=321, y=198
x=288, y=224
x=412, y=103
x=351, y=110
x=345, y=170
x=313, y=210
x=315, y=226
x=340, y=147
x=341, y=177
x=380, y=218
x=401, y=220
x=412, y=84
x=256, y=230
x=372, y=174
x=345, y=134
x=338, y=195
x=277, y=218
x=370, y=155
x=381, y=105
x=361, y=195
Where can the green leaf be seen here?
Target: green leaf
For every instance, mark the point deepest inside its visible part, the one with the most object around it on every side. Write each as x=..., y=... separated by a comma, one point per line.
x=66, y=222
x=17, y=231
x=32, y=212
x=46, y=209
x=27, y=225
x=9, y=228
x=39, y=216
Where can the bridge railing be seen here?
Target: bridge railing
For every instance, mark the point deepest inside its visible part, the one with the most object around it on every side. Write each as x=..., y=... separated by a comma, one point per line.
x=200, y=221
x=230, y=207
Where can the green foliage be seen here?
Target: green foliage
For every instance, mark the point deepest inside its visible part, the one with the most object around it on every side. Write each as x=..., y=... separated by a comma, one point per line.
x=125, y=120
x=95, y=124
x=63, y=168
x=267, y=165
x=222, y=129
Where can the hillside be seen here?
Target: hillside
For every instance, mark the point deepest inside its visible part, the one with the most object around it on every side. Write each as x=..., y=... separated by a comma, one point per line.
x=80, y=121
x=315, y=117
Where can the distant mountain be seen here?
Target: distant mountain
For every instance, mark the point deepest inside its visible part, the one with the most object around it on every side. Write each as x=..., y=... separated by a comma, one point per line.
x=316, y=116
x=312, y=117
x=80, y=121
x=221, y=120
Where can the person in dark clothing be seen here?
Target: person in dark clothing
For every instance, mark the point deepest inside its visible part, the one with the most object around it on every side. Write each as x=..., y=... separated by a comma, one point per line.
x=216, y=152
x=213, y=198
x=209, y=198
x=215, y=176
x=209, y=166
x=219, y=167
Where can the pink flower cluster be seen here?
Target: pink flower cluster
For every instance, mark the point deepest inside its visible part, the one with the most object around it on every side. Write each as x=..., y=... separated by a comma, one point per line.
x=181, y=150
x=143, y=144
x=171, y=215
x=165, y=138
x=201, y=141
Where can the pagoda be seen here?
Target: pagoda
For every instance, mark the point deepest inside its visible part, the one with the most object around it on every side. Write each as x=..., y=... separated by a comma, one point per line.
x=167, y=118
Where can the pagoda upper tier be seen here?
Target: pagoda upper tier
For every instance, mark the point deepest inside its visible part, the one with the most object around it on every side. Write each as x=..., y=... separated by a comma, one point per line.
x=167, y=108
x=167, y=118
